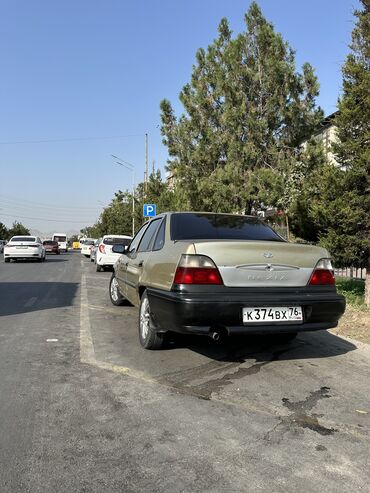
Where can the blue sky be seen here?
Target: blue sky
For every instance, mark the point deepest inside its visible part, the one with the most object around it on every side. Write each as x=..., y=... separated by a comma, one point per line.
x=96, y=71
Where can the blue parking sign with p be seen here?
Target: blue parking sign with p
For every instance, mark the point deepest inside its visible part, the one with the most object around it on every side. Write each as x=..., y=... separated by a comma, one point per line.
x=149, y=210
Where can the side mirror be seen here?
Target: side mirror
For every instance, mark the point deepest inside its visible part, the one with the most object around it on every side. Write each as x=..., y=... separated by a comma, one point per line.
x=117, y=248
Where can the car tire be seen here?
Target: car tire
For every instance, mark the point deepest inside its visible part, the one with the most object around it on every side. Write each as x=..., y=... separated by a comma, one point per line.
x=114, y=293
x=148, y=337
x=6, y=260
x=99, y=268
x=58, y=253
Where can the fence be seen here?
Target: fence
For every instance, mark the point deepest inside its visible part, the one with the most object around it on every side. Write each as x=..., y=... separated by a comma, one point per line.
x=351, y=272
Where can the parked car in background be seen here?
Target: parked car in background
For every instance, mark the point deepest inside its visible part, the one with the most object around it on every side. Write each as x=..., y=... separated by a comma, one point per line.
x=94, y=249
x=24, y=247
x=51, y=246
x=223, y=274
x=86, y=246
x=104, y=255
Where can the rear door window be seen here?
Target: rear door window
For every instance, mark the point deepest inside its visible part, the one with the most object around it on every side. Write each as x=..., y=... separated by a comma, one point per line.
x=149, y=235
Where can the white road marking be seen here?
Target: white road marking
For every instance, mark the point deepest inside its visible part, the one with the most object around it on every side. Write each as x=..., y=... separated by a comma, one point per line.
x=30, y=302
x=52, y=340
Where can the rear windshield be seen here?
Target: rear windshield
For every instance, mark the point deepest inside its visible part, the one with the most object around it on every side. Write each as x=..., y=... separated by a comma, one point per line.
x=50, y=242
x=203, y=226
x=117, y=241
x=89, y=242
x=23, y=238
x=60, y=238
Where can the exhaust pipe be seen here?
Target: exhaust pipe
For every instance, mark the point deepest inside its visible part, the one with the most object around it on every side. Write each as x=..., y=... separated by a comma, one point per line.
x=215, y=335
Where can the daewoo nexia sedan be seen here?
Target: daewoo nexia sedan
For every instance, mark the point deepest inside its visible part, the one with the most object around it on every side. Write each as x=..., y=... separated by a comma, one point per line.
x=24, y=247
x=223, y=274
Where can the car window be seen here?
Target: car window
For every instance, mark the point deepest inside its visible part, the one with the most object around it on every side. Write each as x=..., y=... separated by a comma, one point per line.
x=203, y=226
x=136, y=240
x=22, y=238
x=116, y=241
x=148, y=237
x=159, y=241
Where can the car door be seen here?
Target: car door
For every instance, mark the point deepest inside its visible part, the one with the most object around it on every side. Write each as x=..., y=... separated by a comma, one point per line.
x=137, y=260
x=122, y=263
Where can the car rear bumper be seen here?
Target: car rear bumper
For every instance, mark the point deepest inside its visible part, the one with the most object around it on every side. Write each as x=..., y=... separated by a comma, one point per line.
x=200, y=313
x=23, y=255
x=106, y=259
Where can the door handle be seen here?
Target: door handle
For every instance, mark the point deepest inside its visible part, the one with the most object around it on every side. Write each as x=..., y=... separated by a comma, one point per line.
x=141, y=263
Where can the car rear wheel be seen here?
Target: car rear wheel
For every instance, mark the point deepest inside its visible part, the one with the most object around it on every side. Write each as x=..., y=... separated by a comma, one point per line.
x=149, y=338
x=114, y=292
x=99, y=268
x=6, y=259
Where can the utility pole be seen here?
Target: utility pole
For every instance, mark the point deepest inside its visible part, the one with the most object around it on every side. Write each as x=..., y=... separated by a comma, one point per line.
x=146, y=164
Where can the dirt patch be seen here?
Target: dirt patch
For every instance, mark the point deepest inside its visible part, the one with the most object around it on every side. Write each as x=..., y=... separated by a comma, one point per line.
x=355, y=324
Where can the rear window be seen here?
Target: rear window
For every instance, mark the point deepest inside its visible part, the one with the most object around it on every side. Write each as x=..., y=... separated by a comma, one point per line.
x=60, y=238
x=49, y=242
x=23, y=238
x=89, y=242
x=117, y=241
x=203, y=226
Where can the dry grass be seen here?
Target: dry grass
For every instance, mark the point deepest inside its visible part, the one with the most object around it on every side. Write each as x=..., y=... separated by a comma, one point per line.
x=355, y=324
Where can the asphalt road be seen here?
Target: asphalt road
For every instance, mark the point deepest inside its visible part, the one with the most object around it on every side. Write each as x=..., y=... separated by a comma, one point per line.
x=83, y=408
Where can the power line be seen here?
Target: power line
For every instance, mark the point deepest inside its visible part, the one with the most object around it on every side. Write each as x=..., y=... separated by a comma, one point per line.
x=8, y=199
x=72, y=139
x=43, y=219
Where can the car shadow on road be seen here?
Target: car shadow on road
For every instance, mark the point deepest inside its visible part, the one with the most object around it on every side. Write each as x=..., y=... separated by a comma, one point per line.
x=23, y=297
x=264, y=348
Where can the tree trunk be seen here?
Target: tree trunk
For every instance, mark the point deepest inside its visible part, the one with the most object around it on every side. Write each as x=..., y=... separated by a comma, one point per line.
x=367, y=286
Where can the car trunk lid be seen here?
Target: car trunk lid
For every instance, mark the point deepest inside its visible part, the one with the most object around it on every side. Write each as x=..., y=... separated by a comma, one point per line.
x=262, y=263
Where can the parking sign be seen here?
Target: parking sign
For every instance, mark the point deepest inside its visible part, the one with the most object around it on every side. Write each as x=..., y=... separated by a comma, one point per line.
x=149, y=210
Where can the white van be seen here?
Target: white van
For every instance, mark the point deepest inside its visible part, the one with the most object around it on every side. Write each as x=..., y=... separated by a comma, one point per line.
x=62, y=240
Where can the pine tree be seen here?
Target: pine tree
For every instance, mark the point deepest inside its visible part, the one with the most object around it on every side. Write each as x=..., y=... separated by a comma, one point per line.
x=347, y=205
x=247, y=112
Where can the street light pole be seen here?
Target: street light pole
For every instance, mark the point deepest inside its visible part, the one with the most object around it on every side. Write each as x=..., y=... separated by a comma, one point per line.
x=131, y=168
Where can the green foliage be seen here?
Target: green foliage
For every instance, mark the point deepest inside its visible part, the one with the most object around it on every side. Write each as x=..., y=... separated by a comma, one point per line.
x=341, y=210
x=247, y=111
x=18, y=229
x=353, y=290
x=4, y=234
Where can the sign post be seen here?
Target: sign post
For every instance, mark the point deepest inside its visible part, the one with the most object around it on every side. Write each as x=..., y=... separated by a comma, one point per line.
x=149, y=210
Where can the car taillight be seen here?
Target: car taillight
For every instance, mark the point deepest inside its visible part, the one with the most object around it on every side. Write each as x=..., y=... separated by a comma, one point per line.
x=323, y=273
x=102, y=248
x=197, y=269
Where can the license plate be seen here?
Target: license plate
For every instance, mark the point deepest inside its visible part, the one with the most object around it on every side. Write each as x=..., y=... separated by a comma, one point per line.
x=272, y=314
x=22, y=246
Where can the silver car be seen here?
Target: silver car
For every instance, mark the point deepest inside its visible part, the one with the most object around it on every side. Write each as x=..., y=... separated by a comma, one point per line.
x=223, y=274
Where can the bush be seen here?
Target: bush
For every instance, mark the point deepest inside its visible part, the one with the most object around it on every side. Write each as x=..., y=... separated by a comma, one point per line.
x=353, y=290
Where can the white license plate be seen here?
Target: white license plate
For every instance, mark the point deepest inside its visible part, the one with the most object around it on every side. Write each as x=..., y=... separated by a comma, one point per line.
x=272, y=314
x=25, y=246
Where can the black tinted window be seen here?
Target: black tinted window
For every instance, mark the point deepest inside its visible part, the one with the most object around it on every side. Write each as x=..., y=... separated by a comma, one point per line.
x=148, y=238
x=159, y=241
x=117, y=241
x=137, y=238
x=202, y=226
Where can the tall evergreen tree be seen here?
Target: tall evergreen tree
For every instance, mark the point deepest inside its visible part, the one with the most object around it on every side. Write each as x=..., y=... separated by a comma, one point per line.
x=247, y=111
x=343, y=211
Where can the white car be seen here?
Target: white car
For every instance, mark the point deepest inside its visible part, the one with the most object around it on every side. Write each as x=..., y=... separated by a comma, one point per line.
x=24, y=247
x=86, y=245
x=104, y=255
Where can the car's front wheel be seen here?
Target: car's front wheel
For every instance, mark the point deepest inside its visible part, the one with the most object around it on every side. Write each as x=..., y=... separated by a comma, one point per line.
x=148, y=336
x=114, y=292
